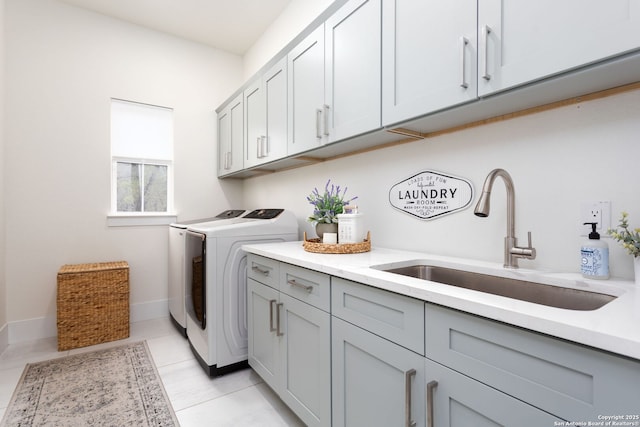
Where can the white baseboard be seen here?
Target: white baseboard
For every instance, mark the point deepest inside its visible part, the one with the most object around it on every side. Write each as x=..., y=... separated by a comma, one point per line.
x=45, y=327
x=32, y=329
x=4, y=337
x=149, y=310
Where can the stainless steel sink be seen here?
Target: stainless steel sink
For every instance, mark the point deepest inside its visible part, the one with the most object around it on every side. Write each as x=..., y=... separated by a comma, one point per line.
x=553, y=296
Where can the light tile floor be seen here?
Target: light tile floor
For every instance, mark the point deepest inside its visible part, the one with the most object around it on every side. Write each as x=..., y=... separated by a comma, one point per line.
x=237, y=399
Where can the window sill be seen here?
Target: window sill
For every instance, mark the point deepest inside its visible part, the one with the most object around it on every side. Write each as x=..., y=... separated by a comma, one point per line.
x=135, y=220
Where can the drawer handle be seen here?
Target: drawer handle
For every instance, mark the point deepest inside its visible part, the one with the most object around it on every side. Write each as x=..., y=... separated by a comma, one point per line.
x=486, y=30
x=307, y=288
x=271, y=326
x=430, y=386
x=463, y=47
x=260, y=270
x=407, y=397
x=278, y=331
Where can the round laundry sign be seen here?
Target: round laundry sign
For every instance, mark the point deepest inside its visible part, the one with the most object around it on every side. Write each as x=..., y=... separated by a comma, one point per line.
x=430, y=195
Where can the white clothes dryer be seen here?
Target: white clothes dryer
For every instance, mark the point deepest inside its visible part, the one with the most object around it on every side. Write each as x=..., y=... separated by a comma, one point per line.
x=176, y=265
x=216, y=291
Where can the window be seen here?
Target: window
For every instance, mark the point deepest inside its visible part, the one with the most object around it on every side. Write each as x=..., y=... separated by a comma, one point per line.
x=141, y=158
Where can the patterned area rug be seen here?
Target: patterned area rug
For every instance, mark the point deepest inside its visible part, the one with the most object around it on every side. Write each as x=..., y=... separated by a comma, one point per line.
x=114, y=387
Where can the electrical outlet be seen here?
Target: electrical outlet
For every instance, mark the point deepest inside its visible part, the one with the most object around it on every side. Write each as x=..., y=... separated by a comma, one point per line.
x=599, y=212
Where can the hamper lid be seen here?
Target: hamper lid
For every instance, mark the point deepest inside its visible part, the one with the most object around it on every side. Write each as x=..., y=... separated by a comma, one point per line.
x=94, y=266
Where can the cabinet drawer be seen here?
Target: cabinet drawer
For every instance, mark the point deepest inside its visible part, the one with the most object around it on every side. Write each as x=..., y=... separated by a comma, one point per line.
x=305, y=285
x=568, y=380
x=263, y=270
x=395, y=317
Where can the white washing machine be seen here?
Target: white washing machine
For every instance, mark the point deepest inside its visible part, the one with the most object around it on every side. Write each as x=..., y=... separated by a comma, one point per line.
x=217, y=298
x=176, y=265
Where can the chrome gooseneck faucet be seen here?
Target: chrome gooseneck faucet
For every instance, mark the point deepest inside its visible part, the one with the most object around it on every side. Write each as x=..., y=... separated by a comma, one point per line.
x=511, y=250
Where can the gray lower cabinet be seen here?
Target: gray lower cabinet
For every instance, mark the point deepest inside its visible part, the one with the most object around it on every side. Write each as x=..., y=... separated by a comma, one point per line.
x=264, y=348
x=575, y=383
x=455, y=400
x=376, y=383
x=290, y=338
x=377, y=342
x=346, y=354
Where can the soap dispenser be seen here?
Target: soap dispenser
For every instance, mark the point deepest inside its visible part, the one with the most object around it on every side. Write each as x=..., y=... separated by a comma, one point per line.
x=595, y=256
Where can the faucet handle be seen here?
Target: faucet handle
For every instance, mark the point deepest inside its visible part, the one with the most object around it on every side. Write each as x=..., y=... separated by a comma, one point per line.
x=527, y=252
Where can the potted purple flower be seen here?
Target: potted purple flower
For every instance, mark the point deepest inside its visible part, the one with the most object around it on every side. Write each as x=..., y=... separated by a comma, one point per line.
x=326, y=206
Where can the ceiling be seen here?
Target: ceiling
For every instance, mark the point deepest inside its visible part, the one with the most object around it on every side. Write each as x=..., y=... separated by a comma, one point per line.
x=231, y=25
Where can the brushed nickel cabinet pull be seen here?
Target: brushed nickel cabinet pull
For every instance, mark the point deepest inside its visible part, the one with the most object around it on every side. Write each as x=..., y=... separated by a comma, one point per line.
x=318, y=115
x=272, y=328
x=407, y=398
x=259, y=270
x=326, y=120
x=307, y=288
x=430, y=386
x=486, y=30
x=463, y=48
x=279, y=333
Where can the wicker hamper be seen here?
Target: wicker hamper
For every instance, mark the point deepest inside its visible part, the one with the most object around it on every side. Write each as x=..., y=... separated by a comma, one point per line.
x=92, y=304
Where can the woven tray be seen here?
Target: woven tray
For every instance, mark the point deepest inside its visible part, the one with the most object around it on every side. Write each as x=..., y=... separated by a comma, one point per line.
x=316, y=245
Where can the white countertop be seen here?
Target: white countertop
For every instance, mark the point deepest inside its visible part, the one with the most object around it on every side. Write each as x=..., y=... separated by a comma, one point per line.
x=615, y=327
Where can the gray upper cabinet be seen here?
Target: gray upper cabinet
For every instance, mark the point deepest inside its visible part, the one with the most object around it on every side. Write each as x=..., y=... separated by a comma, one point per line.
x=429, y=53
x=352, y=70
x=231, y=137
x=255, y=114
x=521, y=42
x=334, y=78
x=371, y=72
x=265, y=116
x=306, y=94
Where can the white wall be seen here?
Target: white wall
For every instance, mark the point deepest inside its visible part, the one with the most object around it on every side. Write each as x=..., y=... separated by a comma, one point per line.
x=295, y=18
x=558, y=159
x=63, y=64
x=3, y=289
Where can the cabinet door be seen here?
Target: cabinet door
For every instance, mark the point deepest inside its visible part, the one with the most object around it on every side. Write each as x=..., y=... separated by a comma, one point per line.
x=231, y=137
x=275, y=93
x=429, y=52
x=224, y=141
x=306, y=361
x=264, y=350
x=255, y=117
x=571, y=381
x=352, y=69
x=523, y=41
x=375, y=382
x=265, y=116
x=456, y=400
x=305, y=66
